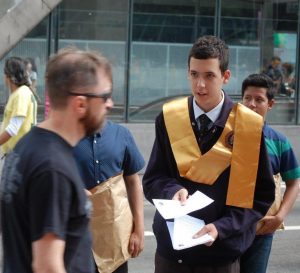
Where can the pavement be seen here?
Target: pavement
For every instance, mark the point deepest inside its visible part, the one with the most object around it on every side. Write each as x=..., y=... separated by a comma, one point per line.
x=285, y=257
x=285, y=254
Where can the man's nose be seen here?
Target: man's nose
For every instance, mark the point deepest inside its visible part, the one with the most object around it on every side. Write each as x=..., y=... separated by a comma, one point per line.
x=252, y=103
x=109, y=103
x=200, y=82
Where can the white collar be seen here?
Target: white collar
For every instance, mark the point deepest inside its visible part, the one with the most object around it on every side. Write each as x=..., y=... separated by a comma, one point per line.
x=212, y=114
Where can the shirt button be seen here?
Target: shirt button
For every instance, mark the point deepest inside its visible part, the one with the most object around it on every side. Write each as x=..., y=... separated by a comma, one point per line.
x=180, y=261
x=98, y=182
x=95, y=141
x=97, y=161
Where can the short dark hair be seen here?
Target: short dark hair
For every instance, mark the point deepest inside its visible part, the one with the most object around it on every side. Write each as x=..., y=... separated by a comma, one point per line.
x=15, y=70
x=275, y=58
x=208, y=47
x=287, y=68
x=259, y=80
x=71, y=69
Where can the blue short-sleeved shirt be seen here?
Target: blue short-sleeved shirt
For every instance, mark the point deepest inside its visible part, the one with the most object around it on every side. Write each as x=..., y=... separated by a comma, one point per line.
x=107, y=154
x=282, y=157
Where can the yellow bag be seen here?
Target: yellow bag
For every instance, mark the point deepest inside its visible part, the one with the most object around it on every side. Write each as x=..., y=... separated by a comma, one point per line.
x=111, y=224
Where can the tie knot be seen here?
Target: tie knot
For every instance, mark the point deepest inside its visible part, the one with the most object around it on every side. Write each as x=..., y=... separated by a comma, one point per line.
x=204, y=120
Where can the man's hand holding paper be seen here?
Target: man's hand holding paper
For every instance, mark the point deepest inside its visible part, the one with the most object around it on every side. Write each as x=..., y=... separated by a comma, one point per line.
x=186, y=231
x=170, y=209
x=181, y=195
x=182, y=230
x=210, y=230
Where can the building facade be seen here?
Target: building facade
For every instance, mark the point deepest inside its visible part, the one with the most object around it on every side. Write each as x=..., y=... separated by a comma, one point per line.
x=148, y=42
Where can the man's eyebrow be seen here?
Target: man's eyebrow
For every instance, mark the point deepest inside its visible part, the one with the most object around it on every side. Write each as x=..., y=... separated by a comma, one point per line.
x=209, y=72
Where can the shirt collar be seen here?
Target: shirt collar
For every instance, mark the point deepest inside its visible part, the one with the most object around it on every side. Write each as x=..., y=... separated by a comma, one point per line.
x=212, y=114
x=99, y=132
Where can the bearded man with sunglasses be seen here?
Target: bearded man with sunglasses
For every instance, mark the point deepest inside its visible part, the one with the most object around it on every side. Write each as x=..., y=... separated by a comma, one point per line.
x=44, y=208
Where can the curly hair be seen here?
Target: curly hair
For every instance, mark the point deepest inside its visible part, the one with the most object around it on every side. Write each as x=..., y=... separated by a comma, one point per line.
x=15, y=70
x=208, y=47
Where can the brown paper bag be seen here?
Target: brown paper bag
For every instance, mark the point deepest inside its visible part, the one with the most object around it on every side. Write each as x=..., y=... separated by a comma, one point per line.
x=278, y=199
x=111, y=224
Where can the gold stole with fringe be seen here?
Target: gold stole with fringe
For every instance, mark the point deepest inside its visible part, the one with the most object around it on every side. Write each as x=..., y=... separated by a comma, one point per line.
x=243, y=125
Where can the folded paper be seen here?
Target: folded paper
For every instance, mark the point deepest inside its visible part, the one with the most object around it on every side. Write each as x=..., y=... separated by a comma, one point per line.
x=172, y=208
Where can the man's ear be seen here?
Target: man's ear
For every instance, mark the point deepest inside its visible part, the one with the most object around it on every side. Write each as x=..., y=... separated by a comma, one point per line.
x=270, y=104
x=79, y=105
x=226, y=76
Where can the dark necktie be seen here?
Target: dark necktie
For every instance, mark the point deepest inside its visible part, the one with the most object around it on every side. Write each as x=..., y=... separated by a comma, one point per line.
x=204, y=122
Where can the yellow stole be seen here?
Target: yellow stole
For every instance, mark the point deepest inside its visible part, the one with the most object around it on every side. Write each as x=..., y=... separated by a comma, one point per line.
x=242, y=155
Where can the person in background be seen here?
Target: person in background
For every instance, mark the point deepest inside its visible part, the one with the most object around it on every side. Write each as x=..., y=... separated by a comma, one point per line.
x=45, y=210
x=21, y=109
x=109, y=152
x=288, y=84
x=274, y=71
x=32, y=72
x=199, y=147
x=258, y=95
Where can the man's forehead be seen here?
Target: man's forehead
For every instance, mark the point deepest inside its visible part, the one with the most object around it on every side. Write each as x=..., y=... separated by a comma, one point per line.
x=211, y=64
x=104, y=79
x=256, y=91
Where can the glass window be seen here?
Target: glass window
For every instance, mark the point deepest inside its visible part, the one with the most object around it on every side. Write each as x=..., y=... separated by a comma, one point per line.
x=262, y=37
x=102, y=26
x=162, y=34
x=172, y=21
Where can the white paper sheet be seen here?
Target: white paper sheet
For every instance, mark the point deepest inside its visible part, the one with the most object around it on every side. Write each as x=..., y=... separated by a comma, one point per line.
x=182, y=231
x=172, y=208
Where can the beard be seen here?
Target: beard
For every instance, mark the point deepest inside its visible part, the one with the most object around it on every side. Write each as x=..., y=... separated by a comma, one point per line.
x=92, y=123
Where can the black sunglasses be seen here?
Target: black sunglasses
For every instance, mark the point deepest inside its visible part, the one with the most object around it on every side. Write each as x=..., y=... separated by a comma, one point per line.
x=104, y=96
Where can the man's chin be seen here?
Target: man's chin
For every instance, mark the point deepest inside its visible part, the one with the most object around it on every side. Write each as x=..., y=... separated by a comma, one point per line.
x=92, y=131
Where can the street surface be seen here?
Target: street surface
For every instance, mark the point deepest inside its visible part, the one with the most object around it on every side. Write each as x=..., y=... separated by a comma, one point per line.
x=285, y=255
